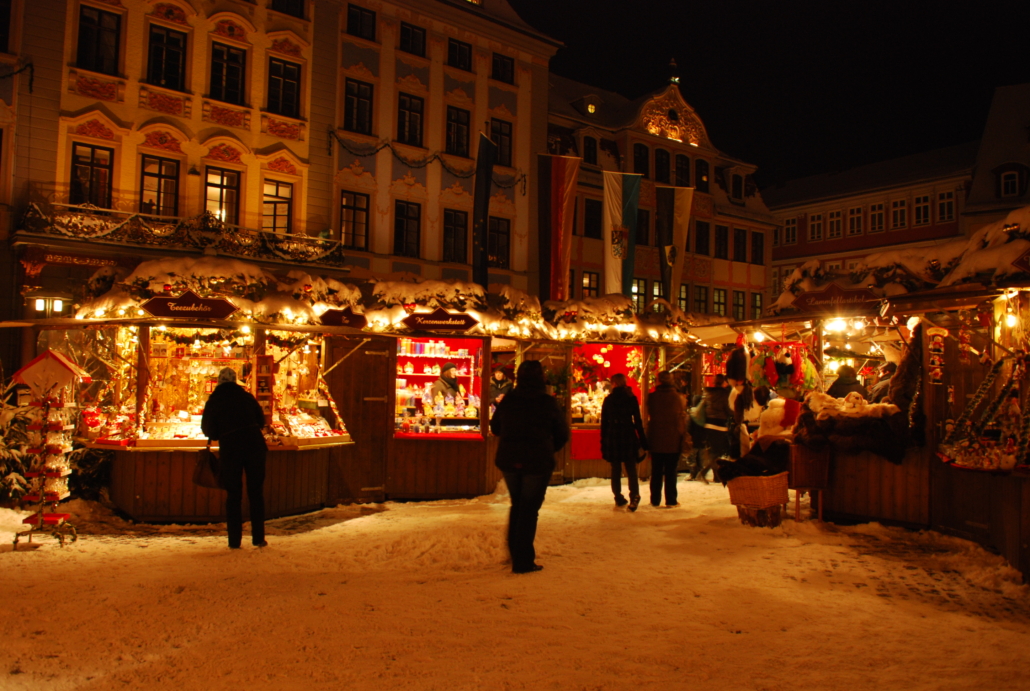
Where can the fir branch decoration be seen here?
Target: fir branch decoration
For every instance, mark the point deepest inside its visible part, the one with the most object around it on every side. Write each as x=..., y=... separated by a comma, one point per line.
x=1024, y=435
x=977, y=399
x=992, y=409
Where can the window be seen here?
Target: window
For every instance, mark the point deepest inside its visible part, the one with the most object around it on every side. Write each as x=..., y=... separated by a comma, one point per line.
x=921, y=210
x=459, y=54
x=945, y=206
x=228, y=73
x=899, y=213
x=853, y=265
x=834, y=225
x=641, y=160
x=855, y=221
x=719, y=302
x=737, y=187
x=591, y=284
x=457, y=132
x=756, y=305
x=662, y=171
x=5, y=26
x=354, y=220
x=643, y=227
x=639, y=294
x=590, y=151
x=361, y=22
x=738, y=305
x=815, y=227
x=99, y=38
x=503, y=69
x=413, y=40
x=593, y=218
x=407, y=226
x=740, y=244
x=455, y=236
x=294, y=8
x=682, y=171
x=500, y=133
x=790, y=231
x=222, y=194
x=167, y=64
x=683, y=299
x=283, y=88
x=498, y=242
x=1010, y=183
x=701, y=299
x=875, y=218
x=277, y=207
x=92, y=167
x=757, y=247
x=409, y=119
x=701, y=176
x=657, y=292
x=832, y=267
x=357, y=109
x=159, y=187
x=722, y=242
x=701, y=237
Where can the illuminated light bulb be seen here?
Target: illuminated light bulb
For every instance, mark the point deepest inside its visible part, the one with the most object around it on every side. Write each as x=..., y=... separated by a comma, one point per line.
x=826, y=345
x=58, y=305
x=836, y=325
x=834, y=365
x=245, y=329
x=100, y=312
x=847, y=346
x=121, y=312
x=140, y=312
x=759, y=336
x=162, y=327
x=858, y=324
x=607, y=364
x=40, y=304
x=1011, y=320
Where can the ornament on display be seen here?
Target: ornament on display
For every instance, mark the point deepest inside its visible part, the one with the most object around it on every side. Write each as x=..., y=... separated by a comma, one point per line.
x=951, y=395
x=936, y=335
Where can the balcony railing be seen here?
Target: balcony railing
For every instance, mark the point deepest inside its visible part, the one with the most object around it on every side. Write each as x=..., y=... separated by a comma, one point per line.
x=88, y=223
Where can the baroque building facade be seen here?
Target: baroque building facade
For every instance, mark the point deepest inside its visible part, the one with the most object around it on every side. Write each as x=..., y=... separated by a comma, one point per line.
x=338, y=136
x=661, y=137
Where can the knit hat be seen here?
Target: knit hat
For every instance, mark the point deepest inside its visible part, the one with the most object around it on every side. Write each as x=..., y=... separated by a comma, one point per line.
x=447, y=366
x=228, y=374
x=665, y=377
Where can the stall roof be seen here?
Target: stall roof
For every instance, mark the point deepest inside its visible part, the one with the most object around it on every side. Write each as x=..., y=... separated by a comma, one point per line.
x=716, y=334
x=66, y=323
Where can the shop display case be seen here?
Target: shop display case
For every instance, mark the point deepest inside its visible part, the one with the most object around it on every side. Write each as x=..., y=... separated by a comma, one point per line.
x=425, y=408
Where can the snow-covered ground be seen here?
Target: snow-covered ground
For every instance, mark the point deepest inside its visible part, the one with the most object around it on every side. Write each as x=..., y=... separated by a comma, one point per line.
x=417, y=596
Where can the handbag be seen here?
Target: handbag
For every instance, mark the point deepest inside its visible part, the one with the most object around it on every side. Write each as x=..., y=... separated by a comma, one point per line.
x=207, y=471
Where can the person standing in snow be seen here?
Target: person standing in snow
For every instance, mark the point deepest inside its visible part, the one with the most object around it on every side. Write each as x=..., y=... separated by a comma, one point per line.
x=666, y=428
x=622, y=438
x=532, y=428
x=234, y=419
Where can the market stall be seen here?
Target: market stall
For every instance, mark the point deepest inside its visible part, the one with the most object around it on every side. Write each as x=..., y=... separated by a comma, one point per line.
x=155, y=364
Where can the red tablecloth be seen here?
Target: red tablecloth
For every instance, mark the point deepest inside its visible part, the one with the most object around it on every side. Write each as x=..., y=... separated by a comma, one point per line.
x=465, y=436
x=586, y=444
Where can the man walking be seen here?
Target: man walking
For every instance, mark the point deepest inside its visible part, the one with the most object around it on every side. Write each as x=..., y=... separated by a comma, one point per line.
x=666, y=426
x=622, y=438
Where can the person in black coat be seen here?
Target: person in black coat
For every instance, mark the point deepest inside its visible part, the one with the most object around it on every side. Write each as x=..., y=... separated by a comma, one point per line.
x=500, y=385
x=532, y=428
x=234, y=419
x=622, y=438
x=447, y=384
x=846, y=382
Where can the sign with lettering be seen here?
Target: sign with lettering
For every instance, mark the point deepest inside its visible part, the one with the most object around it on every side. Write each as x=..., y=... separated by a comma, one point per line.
x=189, y=305
x=439, y=320
x=344, y=317
x=833, y=299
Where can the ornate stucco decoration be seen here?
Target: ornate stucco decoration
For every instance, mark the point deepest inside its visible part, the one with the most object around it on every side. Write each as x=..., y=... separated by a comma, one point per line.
x=283, y=165
x=223, y=152
x=668, y=116
x=160, y=139
x=94, y=128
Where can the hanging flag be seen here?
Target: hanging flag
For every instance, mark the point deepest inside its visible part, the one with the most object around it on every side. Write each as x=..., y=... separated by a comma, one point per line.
x=621, y=198
x=672, y=221
x=557, y=185
x=481, y=208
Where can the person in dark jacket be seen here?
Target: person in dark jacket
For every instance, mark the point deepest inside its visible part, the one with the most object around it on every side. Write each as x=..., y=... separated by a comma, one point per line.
x=622, y=438
x=666, y=427
x=447, y=384
x=532, y=428
x=500, y=385
x=234, y=419
x=882, y=387
x=718, y=417
x=846, y=382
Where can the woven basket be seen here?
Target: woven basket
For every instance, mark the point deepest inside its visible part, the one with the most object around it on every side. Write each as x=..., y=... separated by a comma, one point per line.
x=758, y=492
x=809, y=469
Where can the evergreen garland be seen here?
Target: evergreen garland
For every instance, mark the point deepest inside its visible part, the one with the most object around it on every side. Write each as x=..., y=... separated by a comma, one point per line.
x=1024, y=435
x=992, y=409
x=977, y=399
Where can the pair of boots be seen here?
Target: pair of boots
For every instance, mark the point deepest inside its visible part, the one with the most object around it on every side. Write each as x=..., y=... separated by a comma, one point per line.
x=634, y=501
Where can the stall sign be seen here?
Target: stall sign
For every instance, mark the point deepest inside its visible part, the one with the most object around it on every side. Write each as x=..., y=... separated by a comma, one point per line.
x=1022, y=262
x=439, y=320
x=344, y=317
x=189, y=305
x=833, y=299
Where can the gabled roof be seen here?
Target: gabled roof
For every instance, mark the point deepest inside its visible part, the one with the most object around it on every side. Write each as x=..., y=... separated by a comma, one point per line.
x=907, y=170
x=501, y=12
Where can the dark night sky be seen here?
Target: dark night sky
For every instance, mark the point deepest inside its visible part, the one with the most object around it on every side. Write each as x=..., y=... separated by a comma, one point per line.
x=800, y=87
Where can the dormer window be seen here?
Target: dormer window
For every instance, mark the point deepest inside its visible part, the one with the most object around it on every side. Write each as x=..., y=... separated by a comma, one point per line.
x=588, y=104
x=1010, y=184
x=1011, y=180
x=591, y=108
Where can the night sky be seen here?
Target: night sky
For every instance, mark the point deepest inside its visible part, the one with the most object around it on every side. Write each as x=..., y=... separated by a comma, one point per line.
x=800, y=87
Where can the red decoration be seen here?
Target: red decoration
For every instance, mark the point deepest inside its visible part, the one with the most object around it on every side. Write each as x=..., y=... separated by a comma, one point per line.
x=96, y=88
x=95, y=128
x=173, y=105
x=169, y=13
x=159, y=139
x=224, y=152
x=285, y=130
x=225, y=116
x=230, y=29
x=286, y=46
x=282, y=165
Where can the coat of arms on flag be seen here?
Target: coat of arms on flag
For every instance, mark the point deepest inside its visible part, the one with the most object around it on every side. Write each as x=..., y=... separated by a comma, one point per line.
x=620, y=241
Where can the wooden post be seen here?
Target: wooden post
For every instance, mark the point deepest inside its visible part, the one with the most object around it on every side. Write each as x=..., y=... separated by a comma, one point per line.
x=142, y=375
